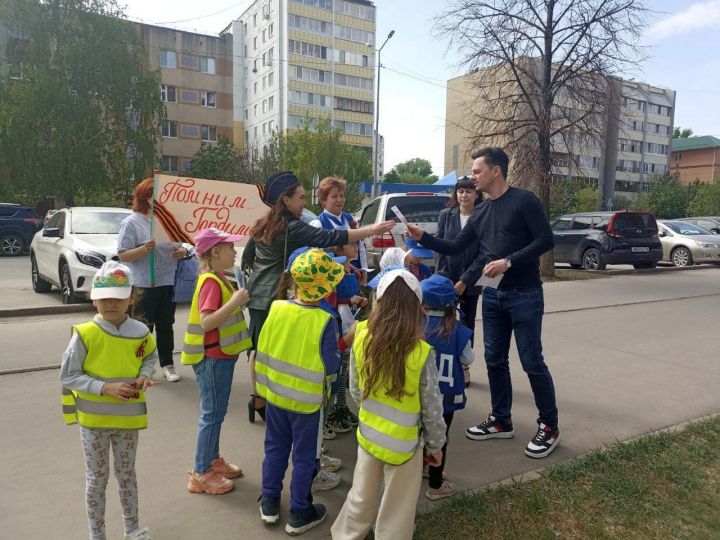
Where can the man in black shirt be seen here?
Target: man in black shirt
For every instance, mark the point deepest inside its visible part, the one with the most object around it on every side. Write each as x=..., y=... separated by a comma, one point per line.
x=513, y=232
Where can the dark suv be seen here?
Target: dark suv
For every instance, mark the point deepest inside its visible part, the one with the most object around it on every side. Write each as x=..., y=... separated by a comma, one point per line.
x=592, y=240
x=18, y=225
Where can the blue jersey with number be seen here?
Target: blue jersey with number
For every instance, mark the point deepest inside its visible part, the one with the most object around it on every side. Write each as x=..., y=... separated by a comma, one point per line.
x=448, y=351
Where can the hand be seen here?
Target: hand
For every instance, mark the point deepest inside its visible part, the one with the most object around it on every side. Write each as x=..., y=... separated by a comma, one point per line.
x=381, y=228
x=414, y=232
x=495, y=268
x=434, y=460
x=359, y=300
x=120, y=390
x=143, y=383
x=179, y=253
x=362, y=277
x=350, y=336
x=460, y=288
x=149, y=246
x=240, y=297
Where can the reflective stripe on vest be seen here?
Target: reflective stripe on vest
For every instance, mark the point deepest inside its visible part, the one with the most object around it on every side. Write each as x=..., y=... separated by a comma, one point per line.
x=126, y=357
x=389, y=429
x=234, y=335
x=289, y=373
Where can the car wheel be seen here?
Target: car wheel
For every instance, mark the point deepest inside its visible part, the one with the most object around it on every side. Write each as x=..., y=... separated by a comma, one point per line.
x=12, y=245
x=39, y=284
x=681, y=256
x=66, y=286
x=640, y=266
x=592, y=260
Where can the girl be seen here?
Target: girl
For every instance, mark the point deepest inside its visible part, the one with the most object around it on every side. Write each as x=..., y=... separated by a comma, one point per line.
x=105, y=370
x=453, y=350
x=216, y=335
x=394, y=379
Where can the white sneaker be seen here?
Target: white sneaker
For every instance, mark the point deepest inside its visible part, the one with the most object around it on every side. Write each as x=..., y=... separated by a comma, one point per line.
x=325, y=480
x=170, y=373
x=330, y=464
x=139, y=534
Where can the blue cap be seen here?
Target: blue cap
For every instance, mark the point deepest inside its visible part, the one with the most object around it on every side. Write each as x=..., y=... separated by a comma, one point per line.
x=374, y=282
x=438, y=292
x=417, y=250
x=299, y=251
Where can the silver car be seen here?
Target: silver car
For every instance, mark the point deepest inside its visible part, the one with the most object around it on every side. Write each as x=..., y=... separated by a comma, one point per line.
x=685, y=244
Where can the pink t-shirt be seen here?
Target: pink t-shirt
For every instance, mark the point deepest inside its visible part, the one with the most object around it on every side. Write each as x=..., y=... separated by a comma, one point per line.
x=210, y=299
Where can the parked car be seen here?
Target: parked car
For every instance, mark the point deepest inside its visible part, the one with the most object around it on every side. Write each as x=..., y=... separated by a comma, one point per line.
x=710, y=223
x=18, y=224
x=72, y=246
x=49, y=214
x=592, y=240
x=685, y=244
x=420, y=208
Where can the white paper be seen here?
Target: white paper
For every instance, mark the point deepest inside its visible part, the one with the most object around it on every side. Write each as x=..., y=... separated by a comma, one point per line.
x=486, y=281
x=399, y=215
x=239, y=277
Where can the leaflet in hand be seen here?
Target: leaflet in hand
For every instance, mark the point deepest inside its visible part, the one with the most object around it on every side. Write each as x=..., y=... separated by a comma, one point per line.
x=239, y=277
x=399, y=215
x=487, y=281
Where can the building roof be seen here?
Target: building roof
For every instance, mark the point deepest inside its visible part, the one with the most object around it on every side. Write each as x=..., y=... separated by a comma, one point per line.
x=695, y=143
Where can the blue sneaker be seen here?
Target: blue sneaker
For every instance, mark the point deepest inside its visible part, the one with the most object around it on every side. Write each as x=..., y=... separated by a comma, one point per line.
x=304, y=521
x=269, y=510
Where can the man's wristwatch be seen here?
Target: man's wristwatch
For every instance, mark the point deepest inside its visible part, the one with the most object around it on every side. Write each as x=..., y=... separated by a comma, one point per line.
x=508, y=263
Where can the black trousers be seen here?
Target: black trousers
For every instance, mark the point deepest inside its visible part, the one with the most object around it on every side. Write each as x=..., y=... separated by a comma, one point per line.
x=468, y=305
x=157, y=310
x=435, y=480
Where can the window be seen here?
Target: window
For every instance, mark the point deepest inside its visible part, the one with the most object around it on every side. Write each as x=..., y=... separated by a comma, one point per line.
x=307, y=24
x=581, y=223
x=264, y=82
x=170, y=164
x=255, y=43
x=167, y=93
x=189, y=62
x=322, y=4
x=264, y=107
x=308, y=98
x=255, y=110
x=264, y=36
x=353, y=59
x=207, y=99
x=309, y=74
x=656, y=148
x=270, y=126
x=255, y=20
x=352, y=81
x=271, y=103
x=562, y=224
x=246, y=114
x=167, y=59
x=354, y=34
x=189, y=96
x=186, y=164
x=416, y=209
x=255, y=133
x=246, y=73
x=255, y=88
x=169, y=129
x=308, y=49
x=354, y=105
x=356, y=10
x=209, y=133
x=354, y=128
x=369, y=214
x=207, y=65
x=189, y=131
x=271, y=78
x=264, y=128
x=630, y=145
x=271, y=30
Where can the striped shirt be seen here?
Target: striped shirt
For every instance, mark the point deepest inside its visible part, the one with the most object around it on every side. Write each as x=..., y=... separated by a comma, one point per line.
x=134, y=232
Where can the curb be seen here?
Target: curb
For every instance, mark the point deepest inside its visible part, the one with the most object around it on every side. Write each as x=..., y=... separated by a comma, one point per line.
x=46, y=310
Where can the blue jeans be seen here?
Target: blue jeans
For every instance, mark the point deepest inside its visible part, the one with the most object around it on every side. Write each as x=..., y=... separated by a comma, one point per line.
x=214, y=380
x=518, y=311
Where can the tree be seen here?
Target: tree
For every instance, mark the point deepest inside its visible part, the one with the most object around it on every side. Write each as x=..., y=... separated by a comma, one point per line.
x=83, y=118
x=667, y=198
x=548, y=76
x=413, y=171
x=567, y=197
x=706, y=201
x=680, y=133
x=217, y=161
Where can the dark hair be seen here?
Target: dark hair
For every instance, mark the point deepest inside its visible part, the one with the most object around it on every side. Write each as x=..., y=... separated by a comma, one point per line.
x=463, y=183
x=494, y=157
x=275, y=221
x=447, y=325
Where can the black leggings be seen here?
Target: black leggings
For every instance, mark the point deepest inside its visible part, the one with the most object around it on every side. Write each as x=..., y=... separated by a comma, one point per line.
x=156, y=309
x=435, y=480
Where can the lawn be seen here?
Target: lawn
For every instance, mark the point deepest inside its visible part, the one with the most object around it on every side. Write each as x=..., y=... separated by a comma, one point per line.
x=660, y=486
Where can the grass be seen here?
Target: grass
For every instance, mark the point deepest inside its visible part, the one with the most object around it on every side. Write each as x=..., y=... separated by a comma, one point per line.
x=659, y=486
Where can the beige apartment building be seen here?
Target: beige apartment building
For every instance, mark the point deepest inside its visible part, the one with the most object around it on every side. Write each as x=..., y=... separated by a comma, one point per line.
x=634, y=146
x=196, y=75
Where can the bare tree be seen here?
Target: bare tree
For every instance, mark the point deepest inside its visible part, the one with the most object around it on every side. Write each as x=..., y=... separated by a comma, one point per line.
x=545, y=77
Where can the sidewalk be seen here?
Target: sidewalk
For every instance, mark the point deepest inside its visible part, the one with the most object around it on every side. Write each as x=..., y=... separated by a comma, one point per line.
x=619, y=372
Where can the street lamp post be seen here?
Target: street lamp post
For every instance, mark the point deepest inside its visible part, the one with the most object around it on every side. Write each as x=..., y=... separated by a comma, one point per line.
x=376, y=172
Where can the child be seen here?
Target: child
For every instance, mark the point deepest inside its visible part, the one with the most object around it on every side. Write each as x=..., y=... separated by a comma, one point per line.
x=392, y=259
x=453, y=350
x=413, y=262
x=215, y=336
x=296, y=354
x=105, y=370
x=394, y=379
x=340, y=418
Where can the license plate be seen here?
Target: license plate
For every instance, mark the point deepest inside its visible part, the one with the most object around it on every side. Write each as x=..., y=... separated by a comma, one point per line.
x=641, y=250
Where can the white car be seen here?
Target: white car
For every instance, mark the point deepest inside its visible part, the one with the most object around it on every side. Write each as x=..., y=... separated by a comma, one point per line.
x=74, y=243
x=685, y=244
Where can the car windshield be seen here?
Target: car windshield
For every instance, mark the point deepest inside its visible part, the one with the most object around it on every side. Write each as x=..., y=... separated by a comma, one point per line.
x=682, y=227
x=97, y=222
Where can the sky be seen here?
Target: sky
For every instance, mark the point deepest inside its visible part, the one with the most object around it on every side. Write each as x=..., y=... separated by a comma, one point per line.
x=682, y=39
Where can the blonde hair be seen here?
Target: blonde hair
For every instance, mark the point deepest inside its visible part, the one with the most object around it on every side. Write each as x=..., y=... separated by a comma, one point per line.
x=445, y=328
x=396, y=319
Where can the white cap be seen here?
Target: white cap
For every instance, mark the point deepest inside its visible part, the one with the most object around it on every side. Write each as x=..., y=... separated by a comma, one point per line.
x=113, y=280
x=389, y=278
x=394, y=256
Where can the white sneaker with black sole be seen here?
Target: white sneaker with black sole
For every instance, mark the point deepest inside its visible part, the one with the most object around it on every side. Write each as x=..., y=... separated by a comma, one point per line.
x=490, y=429
x=543, y=443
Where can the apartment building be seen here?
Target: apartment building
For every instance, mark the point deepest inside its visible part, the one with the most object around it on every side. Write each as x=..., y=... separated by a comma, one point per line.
x=299, y=61
x=196, y=82
x=637, y=127
x=696, y=159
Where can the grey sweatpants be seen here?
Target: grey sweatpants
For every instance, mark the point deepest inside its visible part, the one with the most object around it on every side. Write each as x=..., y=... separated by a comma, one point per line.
x=96, y=445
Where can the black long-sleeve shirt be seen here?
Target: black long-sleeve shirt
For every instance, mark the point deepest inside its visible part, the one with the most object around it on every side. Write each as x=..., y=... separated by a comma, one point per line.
x=513, y=226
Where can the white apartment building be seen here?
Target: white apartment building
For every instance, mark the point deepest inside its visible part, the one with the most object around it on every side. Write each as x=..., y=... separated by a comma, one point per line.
x=303, y=60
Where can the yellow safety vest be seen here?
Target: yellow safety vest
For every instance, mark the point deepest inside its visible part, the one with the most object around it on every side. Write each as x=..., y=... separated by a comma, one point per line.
x=234, y=335
x=390, y=429
x=111, y=359
x=289, y=369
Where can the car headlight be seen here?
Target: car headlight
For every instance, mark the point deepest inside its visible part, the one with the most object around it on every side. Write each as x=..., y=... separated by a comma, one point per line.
x=90, y=258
